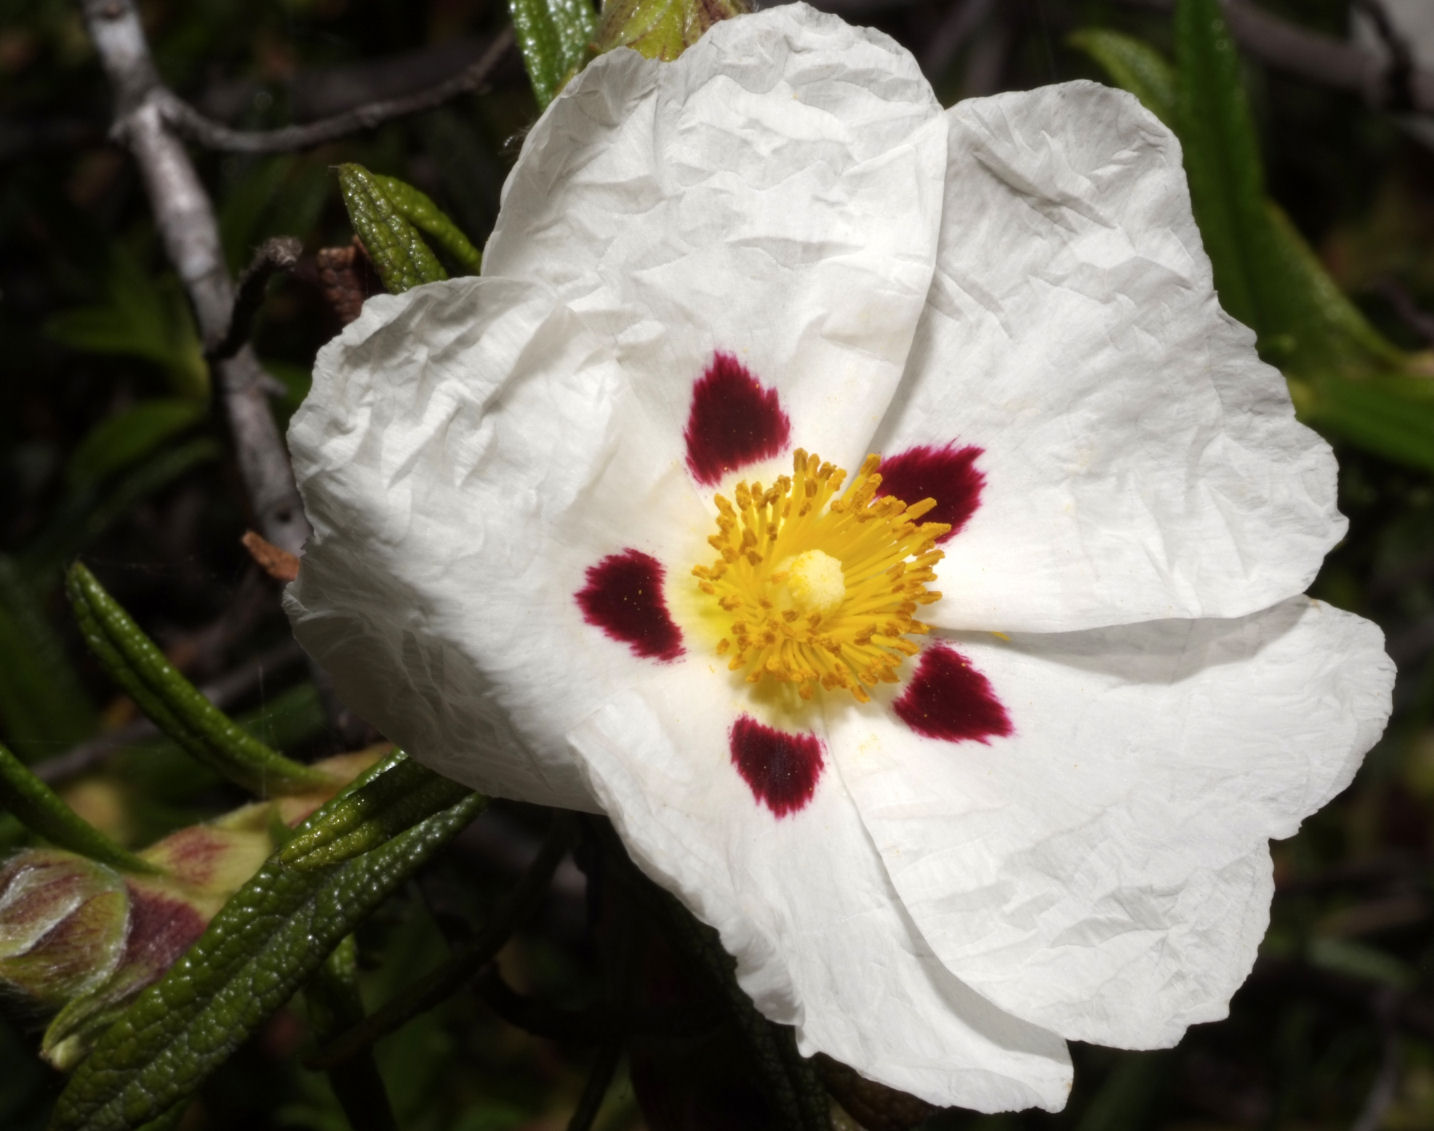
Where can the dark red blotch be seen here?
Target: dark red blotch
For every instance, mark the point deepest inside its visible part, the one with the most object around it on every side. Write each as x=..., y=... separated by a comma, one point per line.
x=782, y=769
x=949, y=699
x=734, y=420
x=947, y=474
x=624, y=598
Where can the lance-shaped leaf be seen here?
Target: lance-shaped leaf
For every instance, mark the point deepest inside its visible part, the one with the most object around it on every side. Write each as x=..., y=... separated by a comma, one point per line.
x=40, y=809
x=390, y=800
x=1222, y=158
x=418, y=209
x=263, y=946
x=42, y=703
x=174, y=704
x=1132, y=65
x=553, y=36
x=393, y=243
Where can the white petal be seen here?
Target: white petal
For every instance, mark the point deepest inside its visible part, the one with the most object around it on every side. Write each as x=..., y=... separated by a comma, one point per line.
x=774, y=193
x=1140, y=462
x=803, y=903
x=469, y=449
x=1104, y=870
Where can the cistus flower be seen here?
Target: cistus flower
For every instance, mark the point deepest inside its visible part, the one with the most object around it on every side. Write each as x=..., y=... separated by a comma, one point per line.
x=869, y=507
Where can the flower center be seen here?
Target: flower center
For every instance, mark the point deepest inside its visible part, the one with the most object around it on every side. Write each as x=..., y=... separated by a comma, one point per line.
x=818, y=588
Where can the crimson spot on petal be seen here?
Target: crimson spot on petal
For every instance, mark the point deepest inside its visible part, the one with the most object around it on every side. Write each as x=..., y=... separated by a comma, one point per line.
x=949, y=699
x=947, y=474
x=733, y=421
x=781, y=769
x=624, y=598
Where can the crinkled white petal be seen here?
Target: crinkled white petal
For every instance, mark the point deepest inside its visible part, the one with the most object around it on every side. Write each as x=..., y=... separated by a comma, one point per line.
x=1140, y=461
x=802, y=902
x=469, y=449
x=1104, y=870
x=775, y=192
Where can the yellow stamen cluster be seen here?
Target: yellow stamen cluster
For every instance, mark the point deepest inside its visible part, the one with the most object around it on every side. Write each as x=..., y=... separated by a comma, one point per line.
x=821, y=587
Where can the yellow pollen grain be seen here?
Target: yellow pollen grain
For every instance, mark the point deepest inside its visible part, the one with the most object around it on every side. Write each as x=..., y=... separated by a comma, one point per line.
x=817, y=586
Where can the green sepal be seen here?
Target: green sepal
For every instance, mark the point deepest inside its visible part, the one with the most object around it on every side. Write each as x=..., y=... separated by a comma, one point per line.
x=1132, y=65
x=397, y=251
x=41, y=810
x=418, y=209
x=262, y=946
x=553, y=36
x=174, y=704
x=385, y=803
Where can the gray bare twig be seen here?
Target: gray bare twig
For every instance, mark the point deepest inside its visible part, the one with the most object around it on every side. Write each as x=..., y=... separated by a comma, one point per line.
x=190, y=233
x=215, y=135
x=277, y=254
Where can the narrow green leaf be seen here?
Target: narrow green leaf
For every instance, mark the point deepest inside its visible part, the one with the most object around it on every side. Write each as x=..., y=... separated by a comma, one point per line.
x=123, y=439
x=1379, y=417
x=553, y=36
x=385, y=803
x=262, y=946
x=138, y=316
x=1132, y=65
x=86, y=514
x=418, y=209
x=45, y=814
x=43, y=707
x=335, y=1005
x=173, y=703
x=398, y=252
x=1222, y=159
x=1328, y=334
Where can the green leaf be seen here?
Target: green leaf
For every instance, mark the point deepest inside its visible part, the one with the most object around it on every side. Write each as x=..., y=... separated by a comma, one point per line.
x=262, y=946
x=377, y=808
x=398, y=252
x=43, y=706
x=138, y=316
x=334, y=1005
x=173, y=703
x=128, y=436
x=418, y=209
x=1132, y=65
x=45, y=814
x=1327, y=332
x=1222, y=159
x=553, y=36
x=1379, y=415
x=86, y=514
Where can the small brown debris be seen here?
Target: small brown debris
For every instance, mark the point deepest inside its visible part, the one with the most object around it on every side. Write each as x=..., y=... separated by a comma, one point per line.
x=278, y=564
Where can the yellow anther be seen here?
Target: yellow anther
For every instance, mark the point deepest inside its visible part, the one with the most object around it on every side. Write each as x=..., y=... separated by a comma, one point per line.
x=820, y=584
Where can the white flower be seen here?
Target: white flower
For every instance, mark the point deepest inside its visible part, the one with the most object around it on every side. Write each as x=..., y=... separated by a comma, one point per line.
x=1053, y=825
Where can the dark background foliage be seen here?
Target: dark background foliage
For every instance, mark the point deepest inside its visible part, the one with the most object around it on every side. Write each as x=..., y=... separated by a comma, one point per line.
x=111, y=449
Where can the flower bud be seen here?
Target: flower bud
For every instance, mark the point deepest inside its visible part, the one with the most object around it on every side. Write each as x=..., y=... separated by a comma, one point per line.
x=84, y=938
x=63, y=921
x=660, y=29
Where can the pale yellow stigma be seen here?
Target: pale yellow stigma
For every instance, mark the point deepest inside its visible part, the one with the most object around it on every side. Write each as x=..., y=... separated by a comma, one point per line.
x=816, y=588
x=813, y=580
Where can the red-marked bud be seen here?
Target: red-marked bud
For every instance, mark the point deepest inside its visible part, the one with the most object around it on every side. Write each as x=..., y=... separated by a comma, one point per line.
x=63, y=921
x=86, y=938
